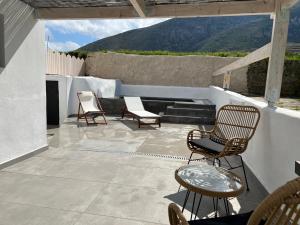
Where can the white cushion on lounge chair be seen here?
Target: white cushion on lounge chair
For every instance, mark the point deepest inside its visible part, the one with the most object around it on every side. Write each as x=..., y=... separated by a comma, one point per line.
x=134, y=104
x=88, y=101
x=145, y=114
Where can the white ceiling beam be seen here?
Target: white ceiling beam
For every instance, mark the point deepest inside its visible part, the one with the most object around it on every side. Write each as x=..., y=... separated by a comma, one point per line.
x=257, y=55
x=139, y=6
x=168, y=10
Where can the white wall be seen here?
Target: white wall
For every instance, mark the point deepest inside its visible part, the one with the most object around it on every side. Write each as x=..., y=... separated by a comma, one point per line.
x=272, y=151
x=69, y=86
x=23, y=98
x=164, y=91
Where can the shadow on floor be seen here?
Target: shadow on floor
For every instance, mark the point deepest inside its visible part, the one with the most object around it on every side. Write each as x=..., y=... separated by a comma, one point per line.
x=133, y=125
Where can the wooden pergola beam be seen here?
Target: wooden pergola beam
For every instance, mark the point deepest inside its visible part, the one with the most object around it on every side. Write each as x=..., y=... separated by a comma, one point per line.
x=167, y=10
x=139, y=6
x=276, y=61
x=257, y=55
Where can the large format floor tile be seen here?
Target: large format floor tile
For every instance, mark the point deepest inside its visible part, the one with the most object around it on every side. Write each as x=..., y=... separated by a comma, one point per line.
x=113, y=174
x=58, y=193
x=139, y=203
x=20, y=214
x=88, y=219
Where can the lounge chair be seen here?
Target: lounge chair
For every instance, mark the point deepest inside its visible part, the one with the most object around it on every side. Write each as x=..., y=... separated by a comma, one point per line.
x=279, y=208
x=90, y=106
x=134, y=107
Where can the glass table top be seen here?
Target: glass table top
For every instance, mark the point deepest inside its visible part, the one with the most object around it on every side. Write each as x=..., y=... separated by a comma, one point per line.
x=209, y=180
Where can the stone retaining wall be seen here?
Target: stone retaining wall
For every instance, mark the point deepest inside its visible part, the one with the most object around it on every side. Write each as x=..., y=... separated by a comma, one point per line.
x=188, y=71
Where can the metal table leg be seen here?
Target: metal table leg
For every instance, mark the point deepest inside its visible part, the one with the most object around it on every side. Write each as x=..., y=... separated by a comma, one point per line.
x=185, y=200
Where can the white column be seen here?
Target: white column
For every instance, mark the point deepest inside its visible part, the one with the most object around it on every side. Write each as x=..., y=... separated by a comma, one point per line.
x=276, y=60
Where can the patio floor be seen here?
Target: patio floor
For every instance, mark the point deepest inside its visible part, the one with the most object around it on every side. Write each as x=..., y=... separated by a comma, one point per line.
x=104, y=175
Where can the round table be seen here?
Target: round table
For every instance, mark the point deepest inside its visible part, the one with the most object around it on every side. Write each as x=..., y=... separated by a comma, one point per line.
x=208, y=180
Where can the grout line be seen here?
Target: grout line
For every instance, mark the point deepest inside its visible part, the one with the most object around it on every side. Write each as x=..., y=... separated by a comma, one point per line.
x=90, y=181
x=125, y=218
x=80, y=213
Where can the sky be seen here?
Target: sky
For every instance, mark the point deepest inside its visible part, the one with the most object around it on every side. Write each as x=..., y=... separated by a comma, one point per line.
x=67, y=35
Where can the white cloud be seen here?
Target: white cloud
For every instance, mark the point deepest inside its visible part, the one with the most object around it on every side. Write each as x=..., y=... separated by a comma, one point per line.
x=63, y=46
x=99, y=28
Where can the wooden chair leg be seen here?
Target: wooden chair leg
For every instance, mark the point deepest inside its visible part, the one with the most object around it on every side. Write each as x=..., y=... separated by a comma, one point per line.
x=104, y=119
x=123, y=112
x=87, y=122
x=78, y=114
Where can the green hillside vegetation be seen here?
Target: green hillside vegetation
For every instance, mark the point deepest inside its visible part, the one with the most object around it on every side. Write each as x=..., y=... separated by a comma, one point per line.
x=83, y=54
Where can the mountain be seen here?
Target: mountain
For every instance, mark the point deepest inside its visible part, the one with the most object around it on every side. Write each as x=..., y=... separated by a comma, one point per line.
x=239, y=33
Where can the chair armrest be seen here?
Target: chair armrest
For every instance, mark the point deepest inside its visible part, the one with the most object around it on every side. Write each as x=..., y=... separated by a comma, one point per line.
x=235, y=146
x=196, y=134
x=175, y=215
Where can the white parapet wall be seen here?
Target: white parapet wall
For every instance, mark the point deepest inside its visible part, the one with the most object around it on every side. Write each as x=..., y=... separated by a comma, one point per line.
x=272, y=151
x=68, y=86
x=23, y=98
x=164, y=91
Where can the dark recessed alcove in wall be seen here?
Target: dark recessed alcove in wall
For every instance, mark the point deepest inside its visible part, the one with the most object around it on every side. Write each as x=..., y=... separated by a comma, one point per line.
x=52, y=93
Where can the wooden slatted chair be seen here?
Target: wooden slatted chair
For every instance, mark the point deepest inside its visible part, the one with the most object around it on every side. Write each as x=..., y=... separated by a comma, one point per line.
x=90, y=106
x=235, y=126
x=282, y=207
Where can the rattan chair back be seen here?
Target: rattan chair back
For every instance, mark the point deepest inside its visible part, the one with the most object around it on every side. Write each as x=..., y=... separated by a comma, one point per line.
x=235, y=121
x=282, y=207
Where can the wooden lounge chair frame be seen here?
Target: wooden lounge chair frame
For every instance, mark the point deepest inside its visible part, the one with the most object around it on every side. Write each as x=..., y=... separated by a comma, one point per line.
x=139, y=118
x=279, y=208
x=90, y=114
x=235, y=126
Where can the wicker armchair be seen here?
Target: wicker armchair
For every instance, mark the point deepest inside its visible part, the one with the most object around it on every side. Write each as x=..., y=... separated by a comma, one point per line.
x=282, y=207
x=235, y=126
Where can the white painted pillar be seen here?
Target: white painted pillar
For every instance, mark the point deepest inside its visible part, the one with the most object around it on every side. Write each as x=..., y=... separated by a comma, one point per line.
x=276, y=60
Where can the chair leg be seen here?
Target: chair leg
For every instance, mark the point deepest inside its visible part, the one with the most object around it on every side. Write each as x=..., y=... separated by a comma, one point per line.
x=78, y=114
x=123, y=112
x=104, y=119
x=86, y=120
x=190, y=158
x=244, y=172
x=219, y=162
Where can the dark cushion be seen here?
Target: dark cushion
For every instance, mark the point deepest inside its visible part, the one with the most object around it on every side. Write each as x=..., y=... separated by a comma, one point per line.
x=240, y=219
x=208, y=144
